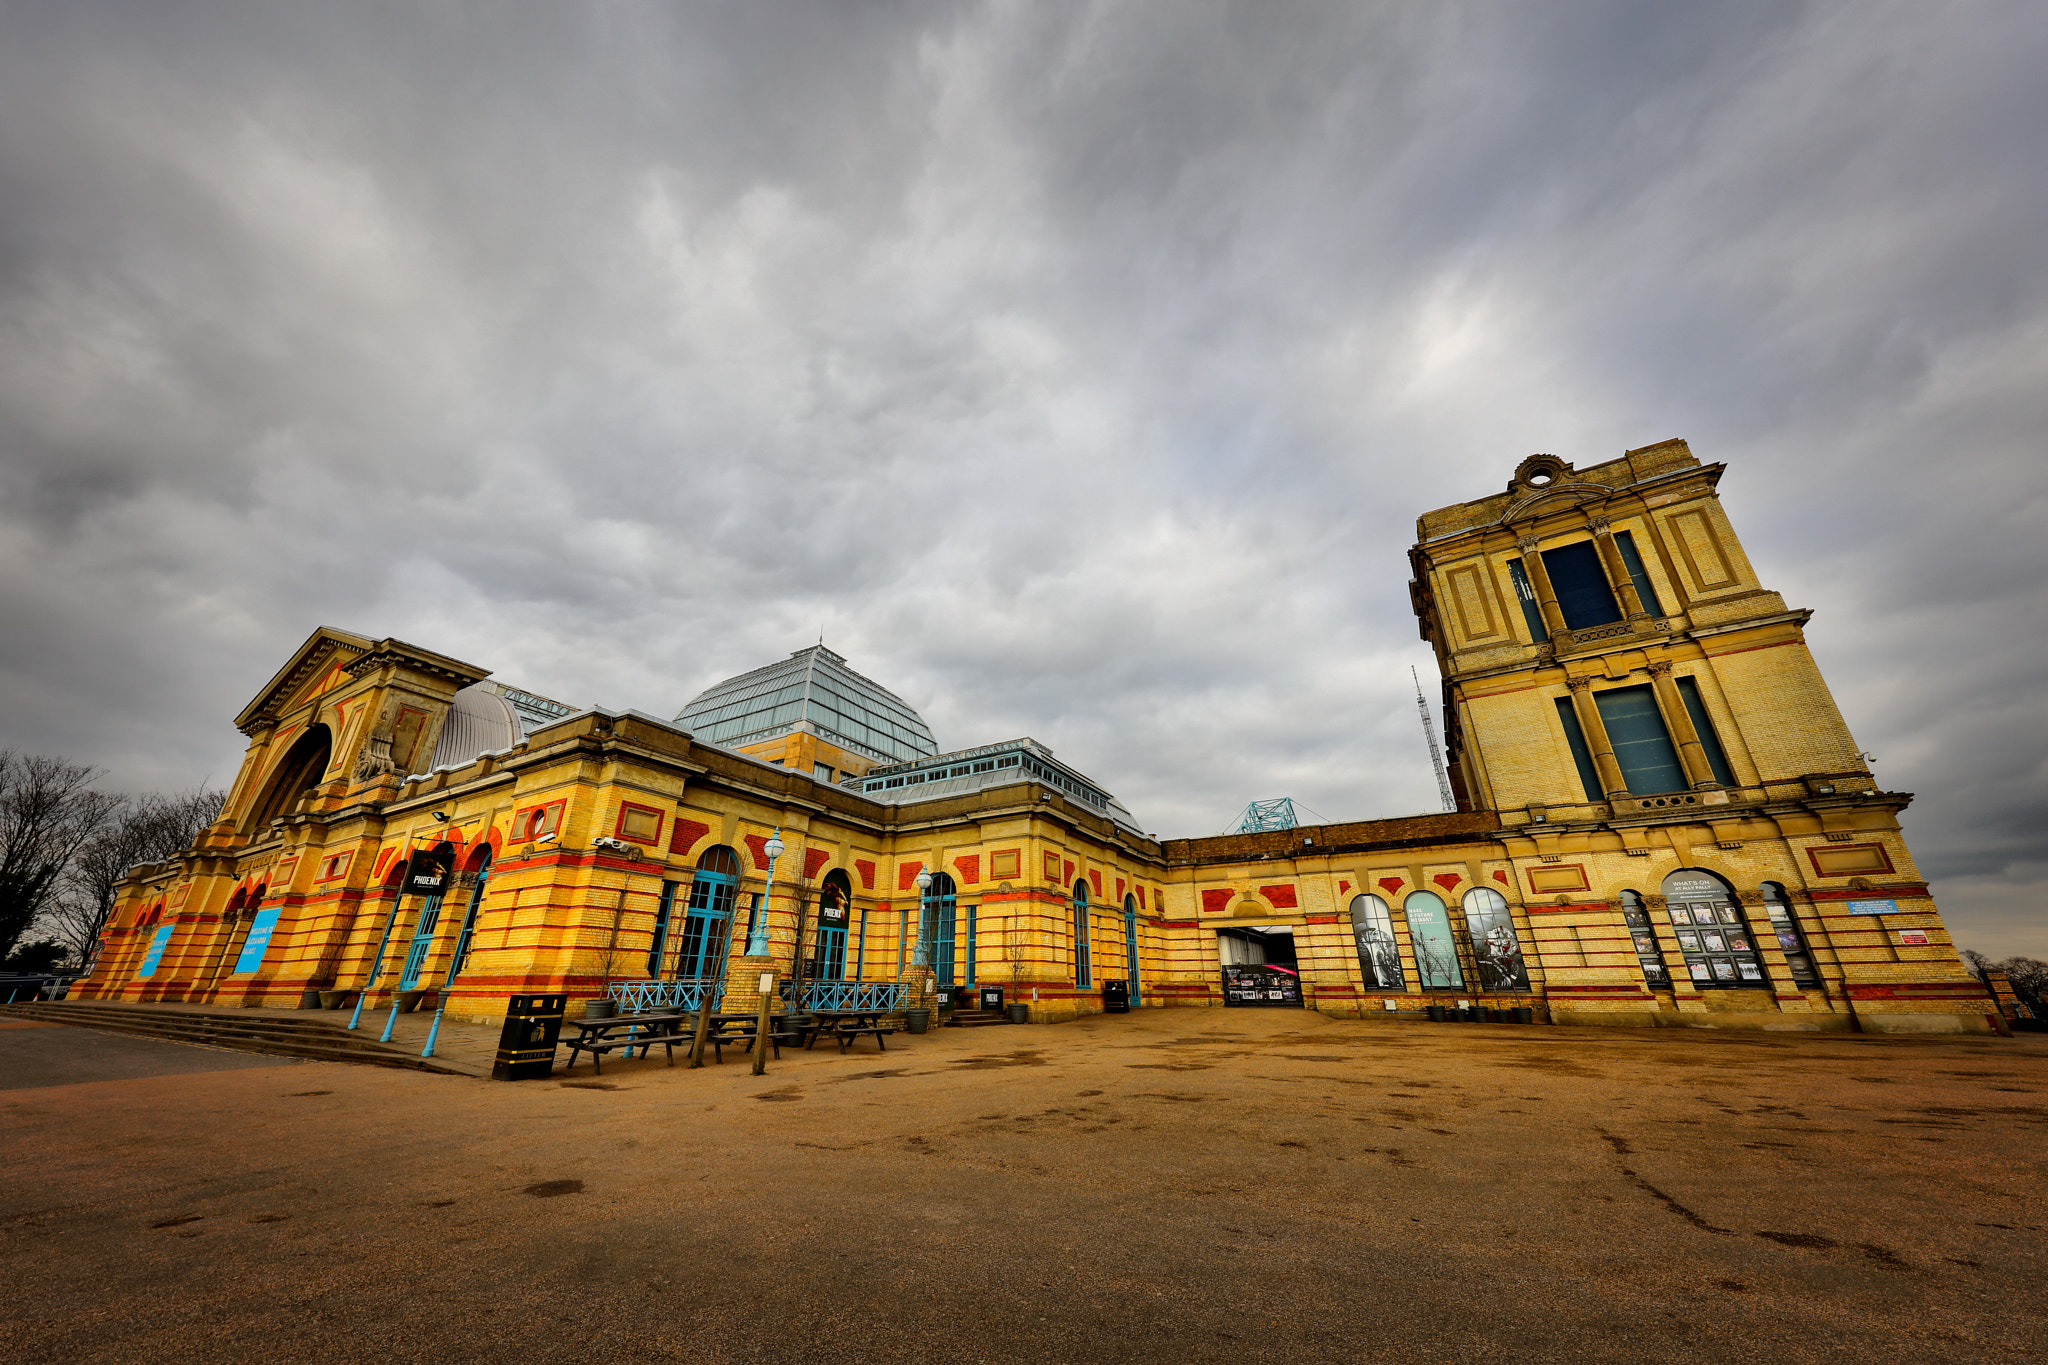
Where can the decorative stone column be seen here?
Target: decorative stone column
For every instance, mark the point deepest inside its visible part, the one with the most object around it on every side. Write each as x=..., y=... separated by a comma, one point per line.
x=1539, y=579
x=1617, y=572
x=1692, y=755
x=1604, y=764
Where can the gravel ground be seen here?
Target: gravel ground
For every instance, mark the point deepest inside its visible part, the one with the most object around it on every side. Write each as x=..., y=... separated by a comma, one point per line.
x=1178, y=1185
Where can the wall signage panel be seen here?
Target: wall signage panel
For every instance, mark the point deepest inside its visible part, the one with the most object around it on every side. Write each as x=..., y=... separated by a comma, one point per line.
x=258, y=942
x=1253, y=985
x=157, y=942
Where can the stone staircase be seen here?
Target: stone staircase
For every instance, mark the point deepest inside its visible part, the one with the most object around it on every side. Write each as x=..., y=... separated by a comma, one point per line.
x=242, y=1030
x=977, y=1018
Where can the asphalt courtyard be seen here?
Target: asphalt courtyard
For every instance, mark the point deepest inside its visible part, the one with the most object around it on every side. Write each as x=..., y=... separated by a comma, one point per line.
x=1183, y=1185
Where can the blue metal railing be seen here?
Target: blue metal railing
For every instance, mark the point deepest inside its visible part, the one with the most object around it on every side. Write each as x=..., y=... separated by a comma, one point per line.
x=652, y=997
x=851, y=995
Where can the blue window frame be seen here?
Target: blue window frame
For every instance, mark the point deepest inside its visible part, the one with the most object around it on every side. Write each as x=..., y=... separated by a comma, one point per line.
x=1582, y=756
x=935, y=927
x=1532, y=611
x=469, y=916
x=707, y=919
x=1083, y=973
x=1584, y=596
x=1633, y=562
x=967, y=958
x=422, y=941
x=1131, y=945
x=658, y=945
x=828, y=962
x=1642, y=746
x=1696, y=707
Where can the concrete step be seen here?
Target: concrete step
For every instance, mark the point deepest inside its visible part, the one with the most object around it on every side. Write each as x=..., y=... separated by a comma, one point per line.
x=326, y=1043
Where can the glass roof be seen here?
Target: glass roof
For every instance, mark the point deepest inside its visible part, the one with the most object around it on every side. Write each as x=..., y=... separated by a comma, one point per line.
x=813, y=685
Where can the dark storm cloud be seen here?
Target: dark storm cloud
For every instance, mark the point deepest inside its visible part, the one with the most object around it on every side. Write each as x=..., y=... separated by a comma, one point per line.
x=1079, y=370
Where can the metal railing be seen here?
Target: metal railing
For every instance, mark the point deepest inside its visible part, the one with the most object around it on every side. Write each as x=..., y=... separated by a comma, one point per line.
x=886, y=996
x=653, y=997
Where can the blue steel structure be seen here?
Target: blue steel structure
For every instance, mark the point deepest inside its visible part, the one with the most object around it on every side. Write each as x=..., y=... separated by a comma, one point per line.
x=1264, y=815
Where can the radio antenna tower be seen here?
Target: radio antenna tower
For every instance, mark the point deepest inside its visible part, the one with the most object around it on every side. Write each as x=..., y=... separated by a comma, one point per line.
x=1436, y=753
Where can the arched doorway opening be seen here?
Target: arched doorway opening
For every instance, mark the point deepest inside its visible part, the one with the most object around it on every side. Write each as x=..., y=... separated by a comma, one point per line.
x=835, y=902
x=707, y=923
x=1131, y=945
x=1084, y=967
x=935, y=931
x=443, y=855
x=298, y=772
x=479, y=871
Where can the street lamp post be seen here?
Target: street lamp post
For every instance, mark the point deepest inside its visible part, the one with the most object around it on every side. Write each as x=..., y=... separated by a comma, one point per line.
x=922, y=957
x=757, y=935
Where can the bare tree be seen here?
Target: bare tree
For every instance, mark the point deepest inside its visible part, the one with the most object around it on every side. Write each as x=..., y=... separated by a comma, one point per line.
x=48, y=811
x=144, y=829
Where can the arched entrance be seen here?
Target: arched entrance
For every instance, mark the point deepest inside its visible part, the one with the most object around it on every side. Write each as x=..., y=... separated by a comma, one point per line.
x=935, y=927
x=443, y=857
x=301, y=769
x=835, y=899
x=707, y=923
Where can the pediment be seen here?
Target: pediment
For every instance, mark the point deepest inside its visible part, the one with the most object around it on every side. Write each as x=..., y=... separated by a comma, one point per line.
x=318, y=665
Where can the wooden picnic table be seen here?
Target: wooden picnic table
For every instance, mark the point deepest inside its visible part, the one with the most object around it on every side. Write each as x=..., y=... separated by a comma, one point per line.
x=732, y=1030
x=847, y=1025
x=628, y=1031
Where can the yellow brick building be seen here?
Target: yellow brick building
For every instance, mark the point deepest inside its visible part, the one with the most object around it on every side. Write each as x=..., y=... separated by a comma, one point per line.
x=1663, y=820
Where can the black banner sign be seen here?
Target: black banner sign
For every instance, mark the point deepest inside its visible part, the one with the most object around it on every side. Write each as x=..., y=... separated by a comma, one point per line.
x=426, y=874
x=1261, y=986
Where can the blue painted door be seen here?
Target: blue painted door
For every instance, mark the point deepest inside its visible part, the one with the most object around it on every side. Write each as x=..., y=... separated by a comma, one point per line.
x=831, y=959
x=1131, y=950
x=705, y=926
x=422, y=942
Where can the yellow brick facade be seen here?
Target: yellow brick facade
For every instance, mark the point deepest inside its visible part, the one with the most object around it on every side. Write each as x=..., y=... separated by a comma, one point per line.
x=570, y=849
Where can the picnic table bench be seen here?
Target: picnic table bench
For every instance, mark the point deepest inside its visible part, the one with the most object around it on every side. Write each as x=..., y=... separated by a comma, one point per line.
x=628, y=1031
x=737, y=1030
x=847, y=1025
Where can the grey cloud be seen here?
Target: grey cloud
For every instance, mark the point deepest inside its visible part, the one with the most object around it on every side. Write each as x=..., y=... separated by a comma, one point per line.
x=1080, y=371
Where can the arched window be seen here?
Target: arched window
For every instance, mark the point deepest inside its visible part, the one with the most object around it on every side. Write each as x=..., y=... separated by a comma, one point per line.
x=935, y=927
x=1786, y=926
x=708, y=923
x=1379, y=956
x=1495, y=949
x=1131, y=944
x=1645, y=935
x=430, y=919
x=299, y=771
x=835, y=900
x=480, y=868
x=1083, y=974
x=1707, y=921
x=1436, y=948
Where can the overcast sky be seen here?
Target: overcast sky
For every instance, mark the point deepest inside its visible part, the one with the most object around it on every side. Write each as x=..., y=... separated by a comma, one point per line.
x=1078, y=370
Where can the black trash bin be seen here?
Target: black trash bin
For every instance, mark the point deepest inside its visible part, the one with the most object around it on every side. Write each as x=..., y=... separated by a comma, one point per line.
x=526, y=1049
x=991, y=997
x=1116, y=997
x=1435, y=1013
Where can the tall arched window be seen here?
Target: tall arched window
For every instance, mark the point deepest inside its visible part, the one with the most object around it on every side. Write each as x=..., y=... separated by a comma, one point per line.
x=1707, y=921
x=935, y=927
x=1637, y=916
x=708, y=922
x=1379, y=956
x=430, y=918
x=1131, y=944
x=835, y=899
x=1786, y=926
x=1436, y=948
x=1083, y=974
x=1495, y=949
x=480, y=868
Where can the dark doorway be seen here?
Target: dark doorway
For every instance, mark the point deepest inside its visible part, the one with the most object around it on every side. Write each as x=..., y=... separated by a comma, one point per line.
x=1259, y=967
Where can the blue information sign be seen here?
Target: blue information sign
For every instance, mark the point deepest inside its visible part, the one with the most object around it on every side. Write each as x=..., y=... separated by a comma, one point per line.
x=157, y=942
x=254, y=946
x=1873, y=907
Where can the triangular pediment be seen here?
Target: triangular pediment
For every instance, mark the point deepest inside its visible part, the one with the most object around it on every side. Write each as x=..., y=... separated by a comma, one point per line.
x=312, y=670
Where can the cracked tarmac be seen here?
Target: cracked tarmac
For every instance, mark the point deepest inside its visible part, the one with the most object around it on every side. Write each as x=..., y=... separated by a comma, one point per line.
x=1176, y=1185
